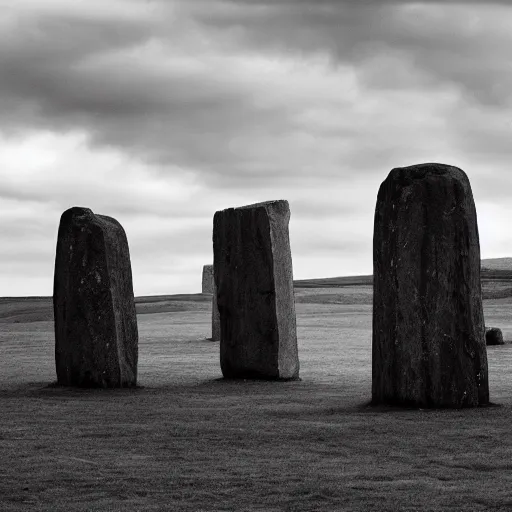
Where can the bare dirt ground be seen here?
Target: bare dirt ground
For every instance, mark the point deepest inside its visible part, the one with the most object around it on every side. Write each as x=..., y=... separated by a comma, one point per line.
x=189, y=441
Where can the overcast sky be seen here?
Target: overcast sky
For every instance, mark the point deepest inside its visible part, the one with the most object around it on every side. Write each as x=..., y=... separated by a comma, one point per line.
x=159, y=113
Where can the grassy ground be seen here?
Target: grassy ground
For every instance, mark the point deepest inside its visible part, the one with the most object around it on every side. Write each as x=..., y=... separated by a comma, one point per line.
x=189, y=441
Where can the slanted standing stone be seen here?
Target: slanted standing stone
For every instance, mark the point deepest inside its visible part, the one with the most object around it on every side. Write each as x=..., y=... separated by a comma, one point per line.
x=253, y=276
x=428, y=328
x=96, y=339
x=494, y=336
x=207, y=279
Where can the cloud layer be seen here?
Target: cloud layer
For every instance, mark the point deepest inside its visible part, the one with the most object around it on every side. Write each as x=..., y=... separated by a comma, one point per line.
x=160, y=113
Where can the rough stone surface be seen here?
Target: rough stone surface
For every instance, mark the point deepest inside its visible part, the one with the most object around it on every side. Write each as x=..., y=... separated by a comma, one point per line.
x=494, y=336
x=207, y=279
x=428, y=329
x=96, y=339
x=254, y=280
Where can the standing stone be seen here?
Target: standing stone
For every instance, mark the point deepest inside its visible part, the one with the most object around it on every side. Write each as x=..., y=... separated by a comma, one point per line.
x=253, y=276
x=494, y=336
x=428, y=328
x=215, y=316
x=96, y=339
x=209, y=287
x=207, y=279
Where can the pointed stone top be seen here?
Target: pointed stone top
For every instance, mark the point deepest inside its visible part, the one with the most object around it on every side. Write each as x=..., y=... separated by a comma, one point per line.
x=79, y=215
x=77, y=211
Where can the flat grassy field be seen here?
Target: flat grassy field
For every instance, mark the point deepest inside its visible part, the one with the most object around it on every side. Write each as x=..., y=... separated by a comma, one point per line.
x=188, y=441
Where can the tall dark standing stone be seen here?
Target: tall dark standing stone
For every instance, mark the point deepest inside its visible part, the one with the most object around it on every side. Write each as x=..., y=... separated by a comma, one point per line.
x=428, y=327
x=207, y=285
x=253, y=276
x=96, y=339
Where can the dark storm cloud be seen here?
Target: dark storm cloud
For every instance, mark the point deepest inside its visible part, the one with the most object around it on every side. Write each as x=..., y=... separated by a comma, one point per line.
x=175, y=85
x=159, y=113
x=40, y=55
x=61, y=72
x=451, y=42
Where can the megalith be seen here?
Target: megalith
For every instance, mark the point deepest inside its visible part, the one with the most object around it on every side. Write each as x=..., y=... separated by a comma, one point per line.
x=207, y=279
x=494, y=336
x=96, y=338
x=209, y=287
x=215, y=316
x=254, y=280
x=428, y=347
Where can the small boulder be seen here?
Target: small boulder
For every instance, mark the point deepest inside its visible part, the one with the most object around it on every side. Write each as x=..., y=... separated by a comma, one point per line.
x=494, y=336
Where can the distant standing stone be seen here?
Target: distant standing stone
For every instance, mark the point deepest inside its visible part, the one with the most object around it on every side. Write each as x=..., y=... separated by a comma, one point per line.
x=494, y=336
x=254, y=279
x=209, y=287
x=215, y=316
x=207, y=279
x=96, y=338
x=428, y=327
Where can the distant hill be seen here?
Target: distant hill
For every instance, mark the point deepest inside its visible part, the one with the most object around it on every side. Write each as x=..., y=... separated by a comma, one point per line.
x=496, y=284
x=496, y=269
x=40, y=309
x=496, y=279
x=497, y=264
x=333, y=282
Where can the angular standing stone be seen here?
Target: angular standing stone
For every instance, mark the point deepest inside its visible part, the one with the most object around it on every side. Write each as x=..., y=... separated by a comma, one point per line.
x=494, y=336
x=428, y=328
x=207, y=279
x=96, y=338
x=253, y=276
